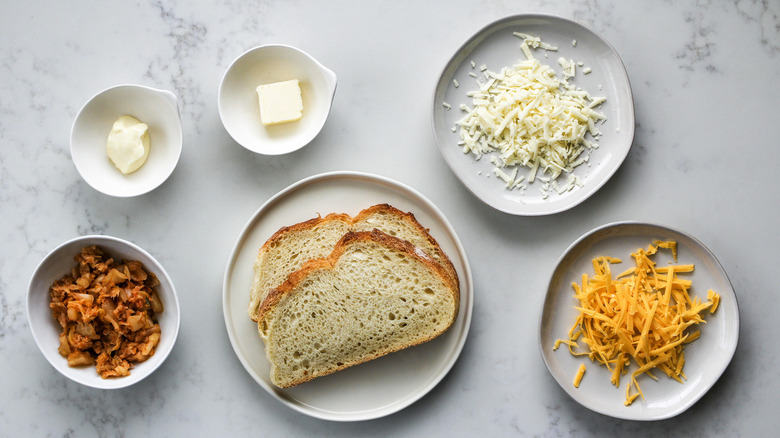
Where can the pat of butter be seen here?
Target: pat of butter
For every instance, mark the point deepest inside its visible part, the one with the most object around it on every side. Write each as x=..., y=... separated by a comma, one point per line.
x=128, y=144
x=280, y=102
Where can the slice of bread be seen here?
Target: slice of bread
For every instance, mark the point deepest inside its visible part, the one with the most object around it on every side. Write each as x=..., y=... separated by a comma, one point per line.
x=290, y=247
x=373, y=295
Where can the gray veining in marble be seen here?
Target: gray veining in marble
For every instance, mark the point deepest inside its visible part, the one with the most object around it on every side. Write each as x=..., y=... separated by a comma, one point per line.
x=705, y=81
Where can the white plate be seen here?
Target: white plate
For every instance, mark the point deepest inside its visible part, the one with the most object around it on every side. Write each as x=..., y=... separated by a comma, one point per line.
x=379, y=387
x=496, y=47
x=706, y=358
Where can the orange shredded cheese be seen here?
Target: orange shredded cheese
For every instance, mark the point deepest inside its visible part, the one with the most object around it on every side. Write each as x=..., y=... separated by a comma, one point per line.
x=715, y=298
x=642, y=314
x=578, y=376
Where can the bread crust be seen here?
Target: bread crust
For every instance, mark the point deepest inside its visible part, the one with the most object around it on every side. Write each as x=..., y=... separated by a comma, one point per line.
x=311, y=223
x=295, y=278
x=448, y=266
x=351, y=222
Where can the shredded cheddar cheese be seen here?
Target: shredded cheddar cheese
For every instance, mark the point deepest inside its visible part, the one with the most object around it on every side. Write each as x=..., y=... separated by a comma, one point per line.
x=578, y=376
x=715, y=298
x=643, y=313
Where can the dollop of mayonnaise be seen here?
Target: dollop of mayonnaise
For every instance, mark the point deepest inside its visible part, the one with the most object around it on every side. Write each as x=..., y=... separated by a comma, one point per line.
x=128, y=144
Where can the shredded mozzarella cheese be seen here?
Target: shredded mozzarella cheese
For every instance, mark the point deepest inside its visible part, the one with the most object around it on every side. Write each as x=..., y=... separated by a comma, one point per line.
x=531, y=118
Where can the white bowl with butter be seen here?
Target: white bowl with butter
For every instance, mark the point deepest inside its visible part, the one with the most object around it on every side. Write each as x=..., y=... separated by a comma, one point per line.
x=127, y=156
x=271, y=127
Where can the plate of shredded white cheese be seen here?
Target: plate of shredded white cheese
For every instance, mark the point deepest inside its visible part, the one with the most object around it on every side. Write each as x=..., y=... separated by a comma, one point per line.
x=534, y=113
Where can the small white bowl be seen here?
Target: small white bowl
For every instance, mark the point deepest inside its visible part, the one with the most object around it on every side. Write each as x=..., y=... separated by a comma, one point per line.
x=46, y=330
x=238, y=103
x=157, y=108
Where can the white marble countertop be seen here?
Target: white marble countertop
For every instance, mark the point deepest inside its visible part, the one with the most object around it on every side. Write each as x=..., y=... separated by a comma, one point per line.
x=704, y=77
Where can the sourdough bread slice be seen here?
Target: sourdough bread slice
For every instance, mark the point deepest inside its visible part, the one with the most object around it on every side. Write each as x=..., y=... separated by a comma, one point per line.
x=290, y=247
x=375, y=294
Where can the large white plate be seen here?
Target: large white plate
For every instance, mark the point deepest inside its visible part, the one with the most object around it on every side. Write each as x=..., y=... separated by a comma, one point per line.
x=374, y=389
x=705, y=359
x=496, y=47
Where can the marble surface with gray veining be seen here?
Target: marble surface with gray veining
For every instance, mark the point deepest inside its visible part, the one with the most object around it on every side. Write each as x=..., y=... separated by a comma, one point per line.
x=705, y=80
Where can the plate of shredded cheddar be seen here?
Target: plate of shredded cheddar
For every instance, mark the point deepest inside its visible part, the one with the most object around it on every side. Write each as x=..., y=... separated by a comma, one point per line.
x=639, y=321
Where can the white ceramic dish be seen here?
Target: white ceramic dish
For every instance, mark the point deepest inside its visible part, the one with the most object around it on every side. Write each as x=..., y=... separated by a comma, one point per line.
x=157, y=108
x=706, y=358
x=374, y=389
x=238, y=103
x=46, y=330
x=496, y=47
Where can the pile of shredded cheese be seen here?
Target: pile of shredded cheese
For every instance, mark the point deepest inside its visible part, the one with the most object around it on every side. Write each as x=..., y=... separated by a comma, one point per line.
x=531, y=118
x=642, y=314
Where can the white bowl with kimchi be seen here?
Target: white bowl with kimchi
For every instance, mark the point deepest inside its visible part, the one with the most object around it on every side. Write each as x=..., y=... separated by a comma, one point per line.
x=103, y=311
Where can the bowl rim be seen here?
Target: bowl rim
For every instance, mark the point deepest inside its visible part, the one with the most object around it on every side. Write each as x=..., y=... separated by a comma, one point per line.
x=328, y=74
x=160, y=272
x=178, y=130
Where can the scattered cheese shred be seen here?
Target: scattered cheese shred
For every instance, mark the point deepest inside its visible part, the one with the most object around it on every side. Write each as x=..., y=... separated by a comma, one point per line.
x=531, y=118
x=578, y=376
x=643, y=314
x=715, y=298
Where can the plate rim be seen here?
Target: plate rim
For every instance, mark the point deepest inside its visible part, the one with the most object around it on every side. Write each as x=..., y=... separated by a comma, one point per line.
x=466, y=279
x=630, y=109
x=713, y=379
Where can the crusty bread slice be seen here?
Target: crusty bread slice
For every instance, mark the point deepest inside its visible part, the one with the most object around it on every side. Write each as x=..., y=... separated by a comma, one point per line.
x=375, y=294
x=290, y=247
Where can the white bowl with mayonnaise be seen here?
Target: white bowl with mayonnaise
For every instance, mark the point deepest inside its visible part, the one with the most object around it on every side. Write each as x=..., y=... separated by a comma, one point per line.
x=240, y=101
x=127, y=139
